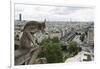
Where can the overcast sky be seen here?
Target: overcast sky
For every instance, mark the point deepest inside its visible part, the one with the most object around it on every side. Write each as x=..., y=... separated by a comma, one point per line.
x=54, y=13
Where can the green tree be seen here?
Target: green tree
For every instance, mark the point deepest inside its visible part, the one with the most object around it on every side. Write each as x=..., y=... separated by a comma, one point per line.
x=51, y=50
x=86, y=33
x=72, y=47
x=55, y=40
x=82, y=37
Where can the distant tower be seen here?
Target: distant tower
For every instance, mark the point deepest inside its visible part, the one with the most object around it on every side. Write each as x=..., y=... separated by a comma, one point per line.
x=20, y=17
x=45, y=20
x=70, y=20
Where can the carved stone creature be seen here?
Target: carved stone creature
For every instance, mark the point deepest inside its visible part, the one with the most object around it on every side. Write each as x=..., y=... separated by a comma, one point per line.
x=27, y=53
x=29, y=30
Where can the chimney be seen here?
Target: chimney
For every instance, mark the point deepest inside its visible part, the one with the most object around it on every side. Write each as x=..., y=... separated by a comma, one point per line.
x=20, y=17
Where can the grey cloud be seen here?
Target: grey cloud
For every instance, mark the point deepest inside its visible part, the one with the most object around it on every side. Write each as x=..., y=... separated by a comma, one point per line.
x=67, y=10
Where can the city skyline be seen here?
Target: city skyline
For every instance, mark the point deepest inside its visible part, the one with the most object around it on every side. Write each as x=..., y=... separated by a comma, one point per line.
x=54, y=13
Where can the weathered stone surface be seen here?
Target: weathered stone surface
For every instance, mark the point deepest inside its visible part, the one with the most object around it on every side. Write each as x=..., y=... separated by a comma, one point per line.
x=26, y=55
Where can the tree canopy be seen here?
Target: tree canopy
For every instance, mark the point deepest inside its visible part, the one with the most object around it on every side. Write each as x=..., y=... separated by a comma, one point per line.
x=51, y=50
